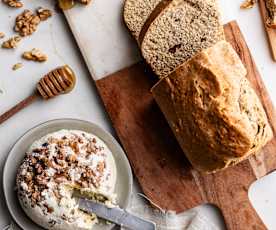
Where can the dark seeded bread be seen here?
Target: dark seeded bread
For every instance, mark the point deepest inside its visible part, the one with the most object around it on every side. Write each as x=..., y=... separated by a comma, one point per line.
x=212, y=109
x=182, y=29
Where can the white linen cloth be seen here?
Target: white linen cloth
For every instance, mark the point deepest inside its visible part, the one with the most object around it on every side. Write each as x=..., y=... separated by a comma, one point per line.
x=168, y=220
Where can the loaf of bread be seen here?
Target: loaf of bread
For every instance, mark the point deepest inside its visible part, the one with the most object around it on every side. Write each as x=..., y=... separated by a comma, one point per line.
x=271, y=13
x=182, y=29
x=212, y=109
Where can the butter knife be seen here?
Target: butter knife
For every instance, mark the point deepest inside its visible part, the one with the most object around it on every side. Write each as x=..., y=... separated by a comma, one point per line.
x=116, y=215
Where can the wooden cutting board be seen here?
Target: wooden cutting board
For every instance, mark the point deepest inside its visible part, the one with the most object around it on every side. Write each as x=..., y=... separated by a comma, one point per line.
x=159, y=164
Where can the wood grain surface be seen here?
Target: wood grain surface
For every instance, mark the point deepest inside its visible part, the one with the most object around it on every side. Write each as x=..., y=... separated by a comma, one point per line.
x=158, y=162
x=271, y=32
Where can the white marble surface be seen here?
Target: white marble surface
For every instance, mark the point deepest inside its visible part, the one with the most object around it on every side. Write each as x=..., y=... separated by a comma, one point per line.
x=55, y=39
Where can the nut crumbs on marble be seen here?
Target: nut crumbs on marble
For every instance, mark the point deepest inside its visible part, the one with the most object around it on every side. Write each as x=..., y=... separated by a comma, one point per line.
x=2, y=35
x=17, y=66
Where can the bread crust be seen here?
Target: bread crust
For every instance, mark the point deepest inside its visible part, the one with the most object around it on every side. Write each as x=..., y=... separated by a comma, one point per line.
x=154, y=14
x=212, y=109
x=136, y=14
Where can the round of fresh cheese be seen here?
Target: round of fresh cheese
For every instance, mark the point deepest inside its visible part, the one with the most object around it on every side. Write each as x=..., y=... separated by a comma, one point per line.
x=56, y=167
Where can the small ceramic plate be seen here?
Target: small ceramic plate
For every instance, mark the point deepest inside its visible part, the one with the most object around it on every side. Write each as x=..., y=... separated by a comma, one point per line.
x=124, y=176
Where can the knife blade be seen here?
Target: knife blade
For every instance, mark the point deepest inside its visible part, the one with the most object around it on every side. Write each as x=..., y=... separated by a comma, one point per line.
x=115, y=215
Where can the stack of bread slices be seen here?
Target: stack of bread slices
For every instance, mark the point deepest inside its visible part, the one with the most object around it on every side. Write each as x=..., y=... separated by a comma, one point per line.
x=203, y=91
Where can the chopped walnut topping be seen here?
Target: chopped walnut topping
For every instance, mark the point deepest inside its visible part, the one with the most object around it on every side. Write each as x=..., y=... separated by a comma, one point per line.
x=49, y=209
x=248, y=4
x=101, y=167
x=13, y=3
x=2, y=35
x=71, y=158
x=43, y=14
x=74, y=145
x=35, y=55
x=28, y=177
x=11, y=43
x=17, y=66
x=26, y=23
x=60, y=179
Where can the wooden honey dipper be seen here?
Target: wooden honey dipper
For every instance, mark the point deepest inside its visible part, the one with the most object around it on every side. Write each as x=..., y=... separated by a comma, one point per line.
x=59, y=81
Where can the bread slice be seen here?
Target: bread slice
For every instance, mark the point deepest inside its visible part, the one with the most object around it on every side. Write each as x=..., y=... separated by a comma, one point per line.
x=181, y=30
x=212, y=109
x=136, y=13
x=271, y=13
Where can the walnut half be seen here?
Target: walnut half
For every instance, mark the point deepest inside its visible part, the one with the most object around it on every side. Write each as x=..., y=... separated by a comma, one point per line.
x=11, y=43
x=13, y=3
x=248, y=4
x=26, y=23
x=35, y=55
x=43, y=14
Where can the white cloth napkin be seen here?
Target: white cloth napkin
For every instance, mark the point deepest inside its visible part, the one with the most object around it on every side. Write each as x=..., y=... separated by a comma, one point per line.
x=167, y=220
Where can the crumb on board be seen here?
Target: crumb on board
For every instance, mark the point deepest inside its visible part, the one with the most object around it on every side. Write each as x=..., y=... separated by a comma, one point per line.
x=35, y=55
x=17, y=66
x=2, y=35
x=11, y=43
x=248, y=4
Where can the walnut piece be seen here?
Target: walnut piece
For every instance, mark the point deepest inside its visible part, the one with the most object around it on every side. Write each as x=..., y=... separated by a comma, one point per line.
x=248, y=4
x=2, y=35
x=84, y=1
x=11, y=43
x=13, y=3
x=43, y=14
x=68, y=4
x=26, y=23
x=17, y=66
x=35, y=55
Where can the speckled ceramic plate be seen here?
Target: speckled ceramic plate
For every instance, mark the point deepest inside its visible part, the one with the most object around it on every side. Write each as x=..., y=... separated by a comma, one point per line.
x=124, y=176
